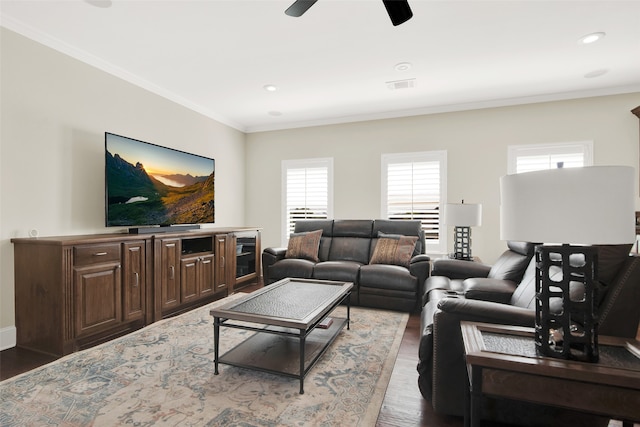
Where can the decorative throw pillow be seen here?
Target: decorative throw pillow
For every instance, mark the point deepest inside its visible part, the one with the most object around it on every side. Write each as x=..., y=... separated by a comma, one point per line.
x=395, y=250
x=304, y=245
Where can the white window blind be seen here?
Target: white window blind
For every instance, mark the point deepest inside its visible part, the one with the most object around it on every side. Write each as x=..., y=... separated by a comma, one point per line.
x=414, y=187
x=307, y=192
x=528, y=158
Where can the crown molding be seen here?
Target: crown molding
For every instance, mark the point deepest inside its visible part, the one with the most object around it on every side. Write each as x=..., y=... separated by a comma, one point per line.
x=36, y=35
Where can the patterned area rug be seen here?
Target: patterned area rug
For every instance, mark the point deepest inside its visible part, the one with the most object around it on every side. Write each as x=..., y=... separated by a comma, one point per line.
x=162, y=375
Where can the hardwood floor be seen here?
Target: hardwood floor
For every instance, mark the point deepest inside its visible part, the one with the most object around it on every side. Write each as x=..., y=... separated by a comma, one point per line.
x=403, y=405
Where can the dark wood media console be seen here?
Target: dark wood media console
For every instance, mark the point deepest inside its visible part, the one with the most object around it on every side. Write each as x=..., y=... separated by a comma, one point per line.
x=73, y=292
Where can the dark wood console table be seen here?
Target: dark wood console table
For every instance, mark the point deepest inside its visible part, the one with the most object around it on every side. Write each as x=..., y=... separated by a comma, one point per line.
x=72, y=292
x=502, y=362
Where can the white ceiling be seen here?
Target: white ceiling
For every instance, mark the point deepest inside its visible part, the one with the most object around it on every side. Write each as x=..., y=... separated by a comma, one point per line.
x=331, y=65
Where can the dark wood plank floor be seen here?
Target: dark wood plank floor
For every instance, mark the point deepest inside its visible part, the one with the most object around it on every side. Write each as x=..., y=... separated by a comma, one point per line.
x=403, y=405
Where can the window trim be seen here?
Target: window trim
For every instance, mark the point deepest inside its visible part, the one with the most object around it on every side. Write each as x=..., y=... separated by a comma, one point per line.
x=303, y=164
x=515, y=151
x=420, y=156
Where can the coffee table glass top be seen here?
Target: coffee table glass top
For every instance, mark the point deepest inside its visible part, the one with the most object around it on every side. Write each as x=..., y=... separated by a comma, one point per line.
x=293, y=300
x=297, y=300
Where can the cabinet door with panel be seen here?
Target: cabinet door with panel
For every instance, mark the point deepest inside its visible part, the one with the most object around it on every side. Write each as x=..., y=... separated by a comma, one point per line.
x=97, y=288
x=197, y=277
x=221, y=279
x=189, y=278
x=134, y=280
x=169, y=272
x=207, y=275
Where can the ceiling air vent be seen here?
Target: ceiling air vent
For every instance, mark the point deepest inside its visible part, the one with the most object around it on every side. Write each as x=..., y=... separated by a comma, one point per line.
x=401, y=84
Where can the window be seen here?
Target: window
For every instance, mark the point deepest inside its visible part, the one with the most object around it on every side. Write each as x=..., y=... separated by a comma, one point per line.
x=307, y=192
x=414, y=186
x=528, y=158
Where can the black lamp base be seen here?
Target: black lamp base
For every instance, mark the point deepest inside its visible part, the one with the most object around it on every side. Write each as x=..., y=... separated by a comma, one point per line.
x=462, y=243
x=566, y=326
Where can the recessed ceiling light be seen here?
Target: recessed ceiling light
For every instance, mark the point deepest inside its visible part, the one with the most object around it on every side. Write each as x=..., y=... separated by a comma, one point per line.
x=402, y=66
x=275, y=113
x=270, y=88
x=591, y=38
x=100, y=3
x=595, y=73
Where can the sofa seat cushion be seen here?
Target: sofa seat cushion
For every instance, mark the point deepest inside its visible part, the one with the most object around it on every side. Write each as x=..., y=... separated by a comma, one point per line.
x=390, y=277
x=344, y=271
x=291, y=267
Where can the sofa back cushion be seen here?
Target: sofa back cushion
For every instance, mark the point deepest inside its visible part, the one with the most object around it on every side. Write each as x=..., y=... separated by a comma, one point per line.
x=611, y=260
x=401, y=228
x=513, y=262
x=351, y=240
x=525, y=294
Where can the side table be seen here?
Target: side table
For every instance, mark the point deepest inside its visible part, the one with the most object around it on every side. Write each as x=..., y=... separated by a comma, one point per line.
x=502, y=362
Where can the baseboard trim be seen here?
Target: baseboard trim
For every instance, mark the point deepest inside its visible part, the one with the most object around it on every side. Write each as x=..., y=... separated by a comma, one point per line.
x=8, y=337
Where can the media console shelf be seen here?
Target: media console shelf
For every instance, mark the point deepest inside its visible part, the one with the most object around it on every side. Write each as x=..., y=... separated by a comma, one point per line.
x=73, y=292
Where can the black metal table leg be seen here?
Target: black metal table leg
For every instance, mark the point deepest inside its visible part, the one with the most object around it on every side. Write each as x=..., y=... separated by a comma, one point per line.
x=216, y=342
x=302, y=345
x=348, y=311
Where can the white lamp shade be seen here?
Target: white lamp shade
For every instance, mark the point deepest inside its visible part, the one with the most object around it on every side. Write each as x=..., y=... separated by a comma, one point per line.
x=589, y=205
x=463, y=214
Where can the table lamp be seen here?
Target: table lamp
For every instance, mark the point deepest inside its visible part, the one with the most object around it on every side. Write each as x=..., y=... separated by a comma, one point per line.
x=462, y=216
x=568, y=210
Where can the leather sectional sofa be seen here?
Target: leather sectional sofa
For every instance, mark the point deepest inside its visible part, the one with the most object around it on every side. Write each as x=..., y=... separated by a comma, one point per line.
x=385, y=259
x=505, y=294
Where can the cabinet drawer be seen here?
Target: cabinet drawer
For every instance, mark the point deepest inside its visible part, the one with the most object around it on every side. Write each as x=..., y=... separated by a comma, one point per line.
x=96, y=254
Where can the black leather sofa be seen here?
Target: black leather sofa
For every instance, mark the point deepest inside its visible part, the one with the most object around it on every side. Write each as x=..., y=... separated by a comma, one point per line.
x=346, y=251
x=442, y=370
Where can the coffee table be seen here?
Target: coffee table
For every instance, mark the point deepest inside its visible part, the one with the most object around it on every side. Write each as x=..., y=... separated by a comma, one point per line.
x=284, y=312
x=502, y=362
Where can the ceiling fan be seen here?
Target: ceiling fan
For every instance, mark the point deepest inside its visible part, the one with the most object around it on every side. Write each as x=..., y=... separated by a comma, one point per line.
x=398, y=10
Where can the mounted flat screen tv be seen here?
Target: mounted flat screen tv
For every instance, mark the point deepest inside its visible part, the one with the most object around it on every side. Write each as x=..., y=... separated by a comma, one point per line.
x=149, y=185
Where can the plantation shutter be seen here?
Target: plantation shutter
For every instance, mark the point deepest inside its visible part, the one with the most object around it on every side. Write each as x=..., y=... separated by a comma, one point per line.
x=549, y=156
x=414, y=190
x=307, y=192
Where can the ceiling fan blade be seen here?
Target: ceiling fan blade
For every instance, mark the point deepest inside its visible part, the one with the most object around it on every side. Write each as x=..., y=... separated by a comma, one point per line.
x=398, y=10
x=299, y=7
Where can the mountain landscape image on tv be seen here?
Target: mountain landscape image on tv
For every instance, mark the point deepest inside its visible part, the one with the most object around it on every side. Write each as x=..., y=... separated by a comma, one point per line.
x=147, y=184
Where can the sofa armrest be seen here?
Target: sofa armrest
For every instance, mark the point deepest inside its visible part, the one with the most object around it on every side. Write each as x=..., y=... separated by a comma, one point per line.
x=269, y=257
x=487, y=312
x=482, y=288
x=442, y=367
x=420, y=267
x=420, y=258
x=279, y=253
x=459, y=269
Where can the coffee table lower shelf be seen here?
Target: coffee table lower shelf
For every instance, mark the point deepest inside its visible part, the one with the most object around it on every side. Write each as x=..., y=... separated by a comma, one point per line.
x=278, y=350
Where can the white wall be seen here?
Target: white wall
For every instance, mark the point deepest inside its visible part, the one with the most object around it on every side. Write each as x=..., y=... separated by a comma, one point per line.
x=55, y=111
x=476, y=143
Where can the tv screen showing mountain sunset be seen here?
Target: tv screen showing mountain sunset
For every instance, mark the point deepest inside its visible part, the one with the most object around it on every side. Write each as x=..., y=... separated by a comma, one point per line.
x=147, y=184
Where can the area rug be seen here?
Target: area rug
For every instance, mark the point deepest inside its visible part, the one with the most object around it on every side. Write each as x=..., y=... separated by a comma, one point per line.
x=163, y=375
